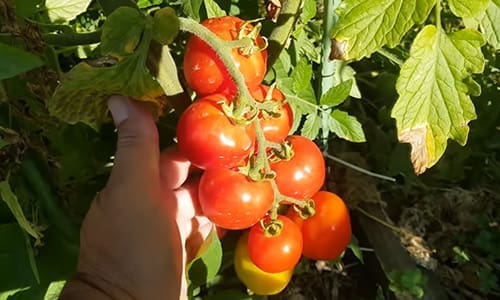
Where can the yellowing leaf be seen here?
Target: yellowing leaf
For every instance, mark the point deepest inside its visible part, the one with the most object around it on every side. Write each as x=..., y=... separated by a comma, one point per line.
x=490, y=25
x=468, y=8
x=365, y=26
x=61, y=11
x=433, y=86
x=82, y=94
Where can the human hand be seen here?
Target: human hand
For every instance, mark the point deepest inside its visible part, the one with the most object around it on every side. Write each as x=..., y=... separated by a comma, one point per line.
x=144, y=225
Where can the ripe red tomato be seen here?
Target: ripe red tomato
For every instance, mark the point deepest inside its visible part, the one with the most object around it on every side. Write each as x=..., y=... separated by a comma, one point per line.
x=209, y=139
x=204, y=71
x=327, y=233
x=303, y=175
x=233, y=201
x=276, y=129
x=276, y=253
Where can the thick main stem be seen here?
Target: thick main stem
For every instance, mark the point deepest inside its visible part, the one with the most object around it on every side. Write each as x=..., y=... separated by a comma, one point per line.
x=327, y=65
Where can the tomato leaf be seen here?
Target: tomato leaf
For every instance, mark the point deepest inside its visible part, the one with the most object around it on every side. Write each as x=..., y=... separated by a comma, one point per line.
x=165, y=71
x=308, y=11
x=10, y=198
x=208, y=262
x=213, y=9
x=15, y=61
x=82, y=94
x=122, y=32
x=311, y=126
x=488, y=23
x=302, y=75
x=467, y=8
x=62, y=11
x=435, y=107
x=346, y=126
x=336, y=94
x=166, y=25
x=344, y=73
x=192, y=8
x=354, y=246
x=365, y=26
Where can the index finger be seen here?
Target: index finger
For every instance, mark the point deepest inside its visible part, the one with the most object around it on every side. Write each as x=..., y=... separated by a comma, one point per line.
x=174, y=168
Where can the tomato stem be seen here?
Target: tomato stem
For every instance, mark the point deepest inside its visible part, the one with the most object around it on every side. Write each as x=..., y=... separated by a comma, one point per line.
x=244, y=99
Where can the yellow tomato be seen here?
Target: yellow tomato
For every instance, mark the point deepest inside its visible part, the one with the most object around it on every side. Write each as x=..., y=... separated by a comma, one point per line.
x=258, y=281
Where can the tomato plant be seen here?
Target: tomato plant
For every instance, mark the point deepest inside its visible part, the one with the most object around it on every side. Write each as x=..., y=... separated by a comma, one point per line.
x=233, y=201
x=276, y=126
x=328, y=232
x=209, y=139
x=257, y=280
x=204, y=71
x=303, y=174
x=275, y=252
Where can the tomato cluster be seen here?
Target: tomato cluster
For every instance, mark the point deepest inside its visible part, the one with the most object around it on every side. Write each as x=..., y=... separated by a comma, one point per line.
x=290, y=168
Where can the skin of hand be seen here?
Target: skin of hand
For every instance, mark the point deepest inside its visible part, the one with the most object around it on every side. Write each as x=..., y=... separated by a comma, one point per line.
x=145, y=225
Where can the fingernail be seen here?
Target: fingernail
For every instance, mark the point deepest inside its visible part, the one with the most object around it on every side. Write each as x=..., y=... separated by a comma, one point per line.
x=119, y=107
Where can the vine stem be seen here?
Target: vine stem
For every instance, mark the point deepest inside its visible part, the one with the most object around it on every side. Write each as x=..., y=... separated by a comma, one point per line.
x=327, y=66
x=378, y=220
x=438, y=13
x=244, y=98
x=359, y=169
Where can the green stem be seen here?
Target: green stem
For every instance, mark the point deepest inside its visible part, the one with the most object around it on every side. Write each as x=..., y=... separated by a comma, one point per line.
x=393, y=58
x=327, y=65
x=438, y=13
x=280, y=34
x=359, y=169
x=224, y=54
x=72, y=39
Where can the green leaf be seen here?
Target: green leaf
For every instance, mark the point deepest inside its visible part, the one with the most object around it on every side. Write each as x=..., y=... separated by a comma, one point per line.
x=433, y=103
x=213, y=9
x=208, y=262
x=27, y=8
x=192, y=8
x=165, y=72
x=365, y=26
x=490, y=26
x=166, y=25
x=61, y=11
x=346, y=127
x=311, y=126
x=83, y=92
x=15, y=61
x=122, y=32
x=354, y=246
x=148, y=3
x=302, y=75
x=308, y=11
x=54, y=290
x=344, y=72
x=467, y=8
x=10, y=198
x=336, y=94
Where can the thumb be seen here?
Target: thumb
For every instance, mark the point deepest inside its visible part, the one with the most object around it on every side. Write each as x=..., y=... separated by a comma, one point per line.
x=137, y=155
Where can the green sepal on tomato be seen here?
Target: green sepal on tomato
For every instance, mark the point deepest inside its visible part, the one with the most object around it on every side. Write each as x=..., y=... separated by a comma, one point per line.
x=209, y=139
x=204, y=71
x=231, y=200
x=255, y=279
x=276, y=252
x=303, y=174
x=328, y=232
x=276, y=128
